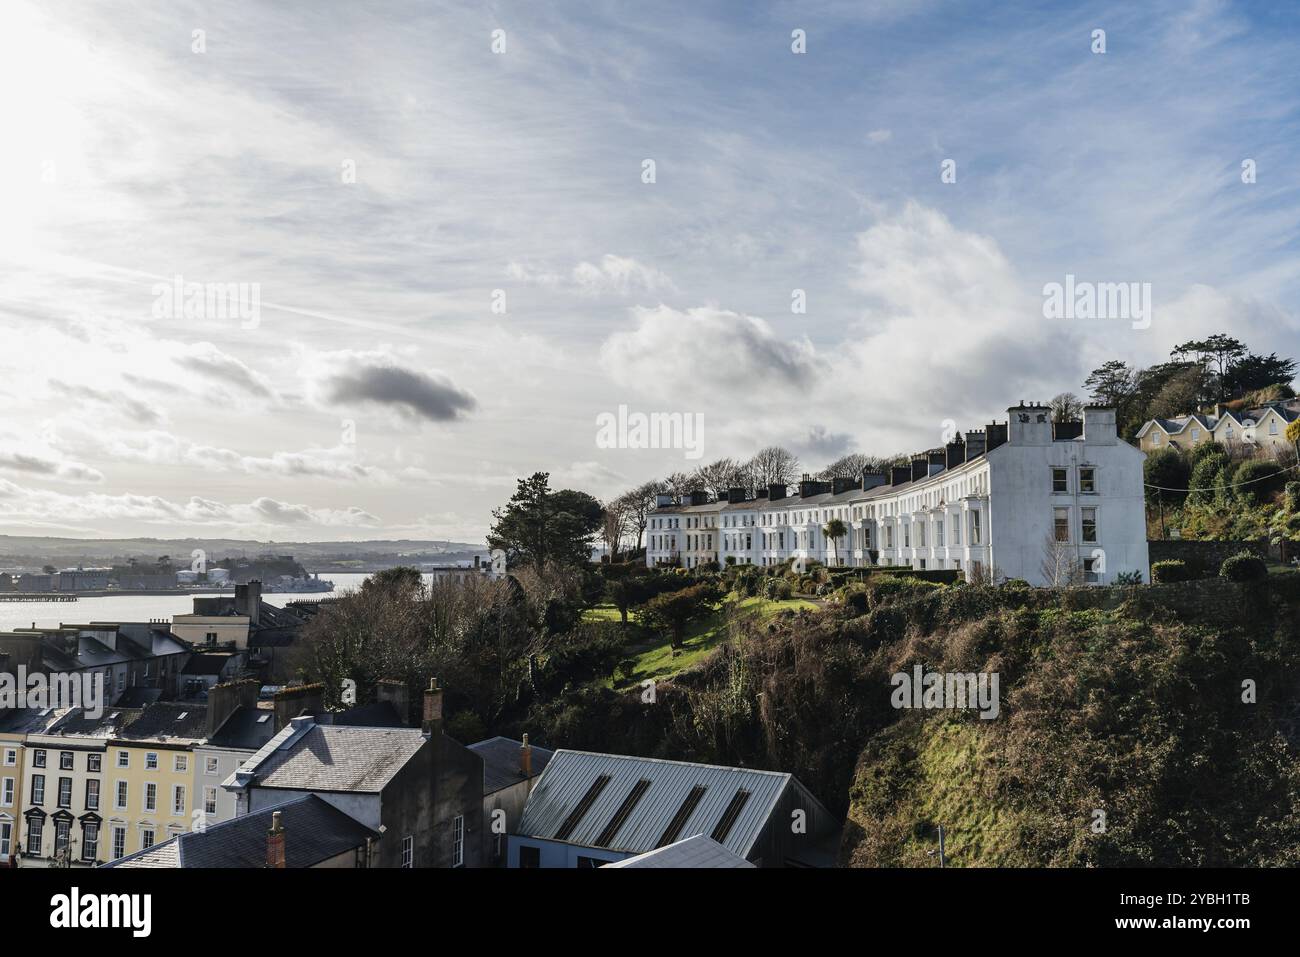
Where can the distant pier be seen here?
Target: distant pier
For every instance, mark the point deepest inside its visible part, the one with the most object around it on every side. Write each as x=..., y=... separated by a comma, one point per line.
x=37, y=596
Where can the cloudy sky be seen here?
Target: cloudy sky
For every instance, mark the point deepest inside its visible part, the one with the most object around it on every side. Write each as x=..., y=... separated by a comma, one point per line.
x=381, y=177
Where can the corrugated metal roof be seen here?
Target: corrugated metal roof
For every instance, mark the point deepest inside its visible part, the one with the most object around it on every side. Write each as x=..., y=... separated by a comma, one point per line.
x=570, y=774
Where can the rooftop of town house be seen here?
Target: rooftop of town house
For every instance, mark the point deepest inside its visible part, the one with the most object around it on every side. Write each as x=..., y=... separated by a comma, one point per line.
x=314, y=831
x=501, y=762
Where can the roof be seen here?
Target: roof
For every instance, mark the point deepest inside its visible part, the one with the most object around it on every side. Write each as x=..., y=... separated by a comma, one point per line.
x=501, y=762
x=30, y=720
x=695, y=851
x=206, y=664
x=168, y=721
x=377, y=714
x=246, y=729
x=138, y=696
x=570, y=775
x=110, y=724
x=315, y=831
x=316, y=757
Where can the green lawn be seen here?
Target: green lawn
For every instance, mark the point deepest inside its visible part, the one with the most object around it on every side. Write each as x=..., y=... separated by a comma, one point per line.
x=654, y=655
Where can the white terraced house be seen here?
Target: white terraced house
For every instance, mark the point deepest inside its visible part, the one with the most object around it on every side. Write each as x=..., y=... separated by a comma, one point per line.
x=999, y=502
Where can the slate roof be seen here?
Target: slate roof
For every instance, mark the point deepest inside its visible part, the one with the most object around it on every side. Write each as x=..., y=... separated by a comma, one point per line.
x=206, y=664
x=30, y=720
x=501, y=762
x=168, y=721
x=247, y=729
x=569, y=777
x=315, y=757
x=695, y=851
x=315, y=831
x=111, y=723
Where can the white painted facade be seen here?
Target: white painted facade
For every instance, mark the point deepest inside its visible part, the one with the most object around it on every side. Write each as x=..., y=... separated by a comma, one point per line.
x=998, y=513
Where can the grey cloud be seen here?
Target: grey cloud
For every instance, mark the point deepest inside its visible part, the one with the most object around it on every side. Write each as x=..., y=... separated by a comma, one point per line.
x=415, y=394
x=207, y=360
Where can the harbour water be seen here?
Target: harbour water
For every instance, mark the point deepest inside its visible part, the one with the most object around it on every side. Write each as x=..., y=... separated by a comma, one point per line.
x=51, y=614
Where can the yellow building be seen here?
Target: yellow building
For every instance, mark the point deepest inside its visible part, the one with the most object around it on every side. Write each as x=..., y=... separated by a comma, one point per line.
x=15, y=725
x=149, y=772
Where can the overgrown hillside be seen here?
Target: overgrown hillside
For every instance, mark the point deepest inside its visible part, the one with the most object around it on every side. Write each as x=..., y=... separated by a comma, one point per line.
x=1126, y=701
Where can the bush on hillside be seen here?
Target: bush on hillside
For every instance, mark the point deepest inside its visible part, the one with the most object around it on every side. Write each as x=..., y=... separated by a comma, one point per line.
x=1244, y=567
x=1167, y=469
x=1256, y=480
x=1172, y=570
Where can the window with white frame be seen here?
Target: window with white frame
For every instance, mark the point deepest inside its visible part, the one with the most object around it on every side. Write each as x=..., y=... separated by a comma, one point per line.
x=124, y=759
x=1060, y=480
x=1087, y=480
x=7, y=793
x=38, y=789
x=6, y=839
x=92, y=794
x=146, y=838
x=1061, y=524
x=181, y=763
x=151, y=761
x=120, y=796
x=209, y=800
x=11, y=757
x=1089, y=525
x=35, y=835
x=151, y=797
x=119, y=843
x=458, y=842
x=89, y=841
x=408, y=852
x=178, y=800
x=211, y=766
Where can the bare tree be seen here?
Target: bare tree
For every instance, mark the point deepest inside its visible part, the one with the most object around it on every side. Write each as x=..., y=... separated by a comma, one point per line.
x=682, y=483
x=1060, y=566
x=846, y=466
x=637, y=505
x=773, y=466
x=721, y=475
x=1066, y=407
x=613, y=526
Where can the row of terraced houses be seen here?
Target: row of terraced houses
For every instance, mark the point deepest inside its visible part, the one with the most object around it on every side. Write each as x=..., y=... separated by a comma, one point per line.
x=991, y=502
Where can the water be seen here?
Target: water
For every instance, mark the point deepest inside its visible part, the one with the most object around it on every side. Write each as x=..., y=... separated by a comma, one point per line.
x=51, y=614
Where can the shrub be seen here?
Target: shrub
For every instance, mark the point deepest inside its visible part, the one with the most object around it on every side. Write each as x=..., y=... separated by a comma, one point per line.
x=780, y=589
x=1244, y=567
x=1293, y=496
x=1126, y=579
x=1172, y=570
x=1168, y=469
x=1255, y=480
x=1208, y=476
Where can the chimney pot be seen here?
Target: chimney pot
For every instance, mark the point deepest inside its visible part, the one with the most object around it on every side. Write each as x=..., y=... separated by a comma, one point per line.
x=433, y=708
x=526, y=758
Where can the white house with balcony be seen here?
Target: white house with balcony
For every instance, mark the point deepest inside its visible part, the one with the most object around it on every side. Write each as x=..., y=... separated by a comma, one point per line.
x=1001, y=502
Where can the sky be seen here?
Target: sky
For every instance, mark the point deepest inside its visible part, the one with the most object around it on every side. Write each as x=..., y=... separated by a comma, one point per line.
x=453, y=260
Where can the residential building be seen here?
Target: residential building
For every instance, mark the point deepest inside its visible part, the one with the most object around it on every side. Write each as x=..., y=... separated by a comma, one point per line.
x=422, y=790
x=150, y=777
x=1263, y=427
x=992, y=502
x=590, y=809
x=510, y=769
x=304, y=832
x=126, y=655
x=15, y=725
x=65, y=792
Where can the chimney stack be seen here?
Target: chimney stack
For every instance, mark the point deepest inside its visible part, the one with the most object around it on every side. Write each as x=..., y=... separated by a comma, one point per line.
x=898, y=474
x=974, y=444
x=526, y=758
x=736, y=494
x=433, y=709
x=920, y=466
x=955, y=453
x=872, y=478
x=776, y=491
x=275, y=843
x=291, y=702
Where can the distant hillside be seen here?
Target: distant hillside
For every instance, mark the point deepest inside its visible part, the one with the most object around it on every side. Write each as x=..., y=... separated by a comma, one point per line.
x=38, y=550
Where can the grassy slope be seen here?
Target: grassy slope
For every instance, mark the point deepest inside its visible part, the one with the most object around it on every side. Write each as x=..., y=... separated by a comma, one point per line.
x=653, y=653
